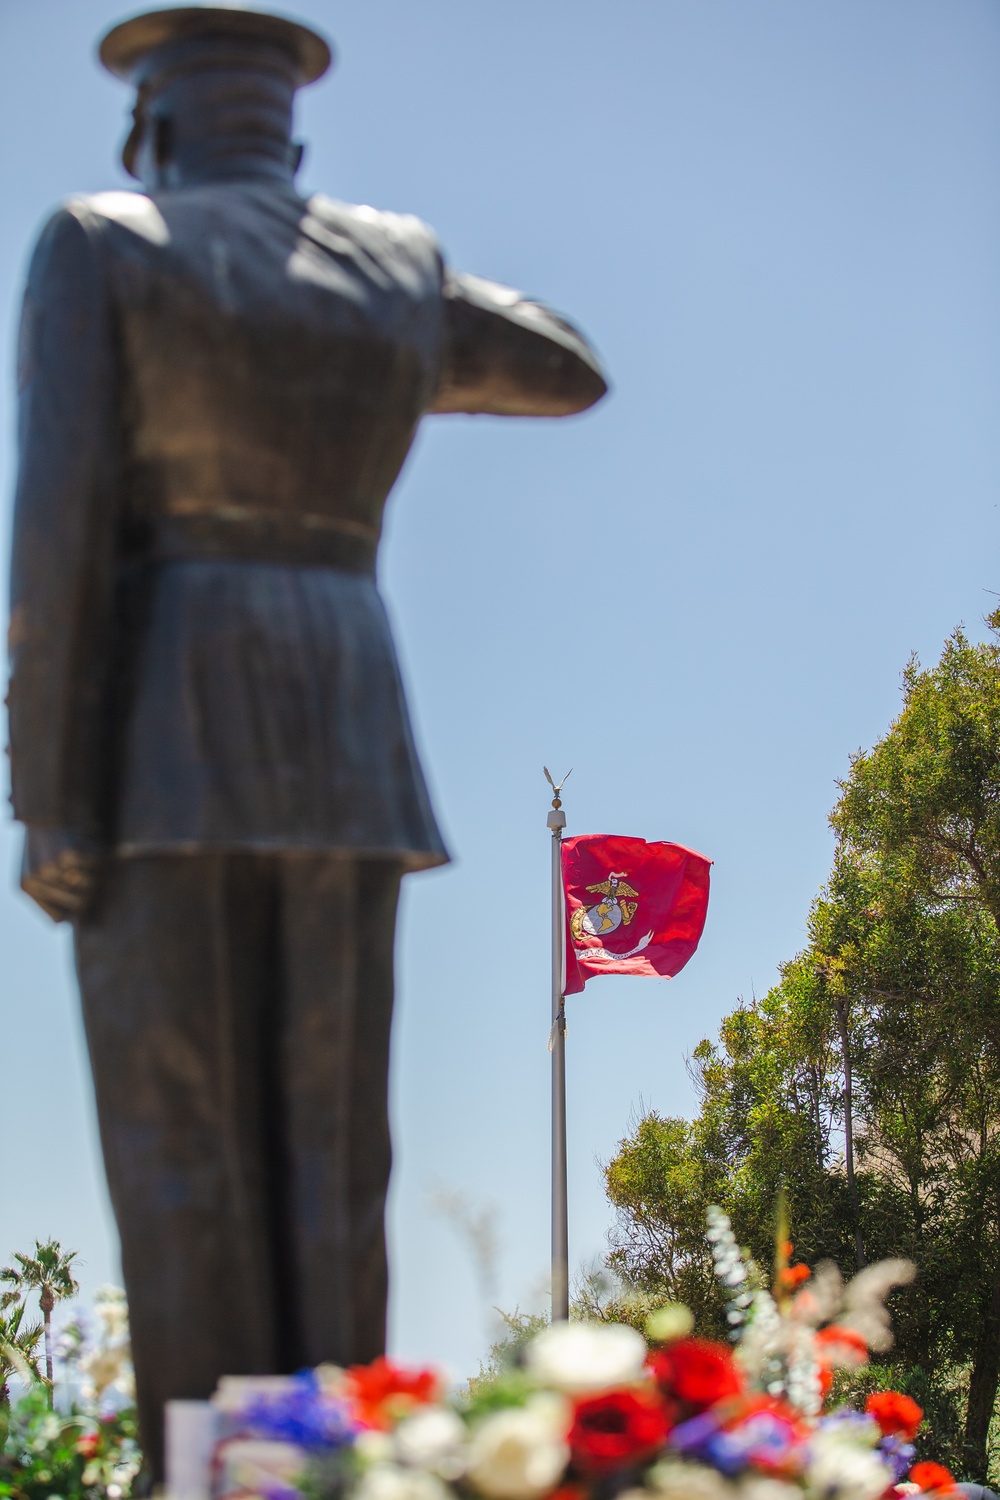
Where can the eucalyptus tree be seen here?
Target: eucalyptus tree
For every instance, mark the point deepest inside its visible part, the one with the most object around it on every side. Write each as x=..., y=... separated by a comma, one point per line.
x=927, y=795
x=865, y=1085
x=924, y=806
x=872, y=1035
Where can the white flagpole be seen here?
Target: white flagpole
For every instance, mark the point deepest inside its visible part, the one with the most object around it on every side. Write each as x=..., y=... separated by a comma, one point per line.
x=556, y=821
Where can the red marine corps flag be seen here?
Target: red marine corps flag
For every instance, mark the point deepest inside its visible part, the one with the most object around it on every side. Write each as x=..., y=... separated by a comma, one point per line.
x=619, y=906
x=631, y=907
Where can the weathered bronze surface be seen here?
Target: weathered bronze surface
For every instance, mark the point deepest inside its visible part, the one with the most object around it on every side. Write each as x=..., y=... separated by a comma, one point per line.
x=210, y=750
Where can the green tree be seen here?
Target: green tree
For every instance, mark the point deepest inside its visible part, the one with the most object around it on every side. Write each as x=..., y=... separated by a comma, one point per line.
x=661, y=1182
x=928, y=794
x=865, y=1085
x=772, y=1099
x=49, y=1273
x=925, y=803
x=18, y=1343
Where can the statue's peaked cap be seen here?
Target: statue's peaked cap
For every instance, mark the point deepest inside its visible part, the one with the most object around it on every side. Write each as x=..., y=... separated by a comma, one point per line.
x=124, y=49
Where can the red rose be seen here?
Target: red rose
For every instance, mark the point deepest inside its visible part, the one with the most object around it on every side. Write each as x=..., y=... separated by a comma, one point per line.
x=932, y=1477
x=382, y=1392
x=616, y=1429
x=696, y=1371
x=88, y=1444
x=895, y=1414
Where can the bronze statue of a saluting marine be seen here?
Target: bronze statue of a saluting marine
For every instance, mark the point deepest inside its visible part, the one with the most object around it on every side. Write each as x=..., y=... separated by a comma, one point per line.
x=210, y=751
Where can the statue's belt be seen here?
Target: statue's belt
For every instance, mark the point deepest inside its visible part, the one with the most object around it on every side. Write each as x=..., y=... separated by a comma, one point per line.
x=243, y=535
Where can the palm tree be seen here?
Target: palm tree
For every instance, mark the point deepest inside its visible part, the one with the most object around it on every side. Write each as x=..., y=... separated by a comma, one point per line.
x=18, y=1345
x=48, y=1273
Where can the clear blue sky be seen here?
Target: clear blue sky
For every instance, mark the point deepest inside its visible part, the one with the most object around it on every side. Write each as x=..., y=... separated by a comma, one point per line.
x=779, y=220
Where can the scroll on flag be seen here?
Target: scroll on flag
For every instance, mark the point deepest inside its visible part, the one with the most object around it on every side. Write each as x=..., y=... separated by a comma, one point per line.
x=631, y=907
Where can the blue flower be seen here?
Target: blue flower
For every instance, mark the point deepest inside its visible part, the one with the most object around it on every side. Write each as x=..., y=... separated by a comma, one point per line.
x=898, y=1454
x=303, y=1415
x=693, y=1437
x=762, y=1439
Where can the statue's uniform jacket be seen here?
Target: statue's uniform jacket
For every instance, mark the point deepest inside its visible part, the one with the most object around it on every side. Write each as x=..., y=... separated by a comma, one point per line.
x=219, y=386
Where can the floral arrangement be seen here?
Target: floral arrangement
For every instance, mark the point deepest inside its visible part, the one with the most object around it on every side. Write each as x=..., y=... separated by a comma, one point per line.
x=87, y=1446
x=596, y=1410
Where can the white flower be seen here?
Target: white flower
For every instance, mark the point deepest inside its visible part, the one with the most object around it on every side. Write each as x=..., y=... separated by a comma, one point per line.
x=112, y=1309
x=759, y=1487
x=678, y=1481
x=108, y=1381
x=432, y=1438
x=581, y=1358
x=860, y=1431
x=374, y=1447
x=553, y=1410
x=864, y=1300
x=106, y=1370
x=234, y=1393
x=520, y=1453
x=394, y=1482
x=839, y=1471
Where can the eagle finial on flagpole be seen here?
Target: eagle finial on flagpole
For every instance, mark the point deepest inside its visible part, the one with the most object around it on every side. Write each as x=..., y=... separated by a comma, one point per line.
x=556, y=801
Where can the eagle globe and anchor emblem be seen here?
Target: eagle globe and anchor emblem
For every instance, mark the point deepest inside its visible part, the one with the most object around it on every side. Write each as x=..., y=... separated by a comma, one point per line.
x=617, y=908
x=614, y=910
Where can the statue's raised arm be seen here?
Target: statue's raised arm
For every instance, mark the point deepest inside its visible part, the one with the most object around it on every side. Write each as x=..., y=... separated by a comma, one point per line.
x=510, y=356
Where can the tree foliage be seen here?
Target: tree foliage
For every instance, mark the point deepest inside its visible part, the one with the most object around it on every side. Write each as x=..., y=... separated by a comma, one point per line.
x=49, y=1273
x=19, y=1343
x=928, y=794
x=865, y=1085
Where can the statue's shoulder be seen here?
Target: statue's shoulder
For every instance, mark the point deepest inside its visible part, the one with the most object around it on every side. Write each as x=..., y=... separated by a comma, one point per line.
x=376, y=228
x=71, y=244
x=134, y=212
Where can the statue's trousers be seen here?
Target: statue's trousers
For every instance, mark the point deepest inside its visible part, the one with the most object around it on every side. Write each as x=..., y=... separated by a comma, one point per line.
x=238, y=1011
